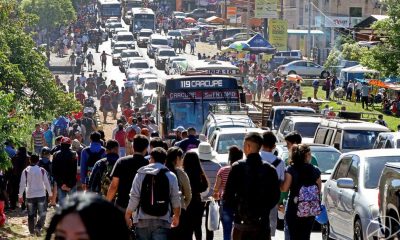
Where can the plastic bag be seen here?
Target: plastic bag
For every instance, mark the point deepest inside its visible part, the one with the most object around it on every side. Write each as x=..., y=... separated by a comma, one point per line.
x=213, y=215
x=322, y=218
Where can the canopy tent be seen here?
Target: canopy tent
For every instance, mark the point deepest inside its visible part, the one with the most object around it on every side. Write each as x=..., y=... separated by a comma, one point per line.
x=238, y=46
x=258, y=44
x=356, y=72
x=215, y=20
x=377, y=83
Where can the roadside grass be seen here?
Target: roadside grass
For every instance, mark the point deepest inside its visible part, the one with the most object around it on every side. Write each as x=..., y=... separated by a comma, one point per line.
x=351, y=106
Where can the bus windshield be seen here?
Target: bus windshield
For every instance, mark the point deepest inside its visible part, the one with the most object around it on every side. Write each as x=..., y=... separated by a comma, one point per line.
x=189, y=114
x=111, y=9
x=143, y=21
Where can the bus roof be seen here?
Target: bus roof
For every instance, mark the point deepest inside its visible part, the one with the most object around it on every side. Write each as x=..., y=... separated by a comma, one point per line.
x=108, y=2
x=142, y=11
x=211, y=64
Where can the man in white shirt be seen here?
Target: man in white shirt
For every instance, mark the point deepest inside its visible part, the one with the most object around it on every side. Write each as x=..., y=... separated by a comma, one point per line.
x=358, y=87
x=269, y=144
x=349, y=91
x=35, y=182
x=82, y=79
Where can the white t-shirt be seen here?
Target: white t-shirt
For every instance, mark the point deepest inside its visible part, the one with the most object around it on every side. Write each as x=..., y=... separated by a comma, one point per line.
x=82, y=80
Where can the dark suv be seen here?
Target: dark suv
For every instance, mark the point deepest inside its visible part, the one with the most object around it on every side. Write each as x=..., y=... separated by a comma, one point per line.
x=389, y=200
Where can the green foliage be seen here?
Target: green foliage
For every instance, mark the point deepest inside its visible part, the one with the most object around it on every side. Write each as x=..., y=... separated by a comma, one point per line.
x=332, y=61
x=51, y=13
x=343, y=39
x=352, y=51
x=386, y=57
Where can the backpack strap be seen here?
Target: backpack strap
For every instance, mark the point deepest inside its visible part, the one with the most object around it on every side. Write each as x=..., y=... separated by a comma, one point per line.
x=277, y=161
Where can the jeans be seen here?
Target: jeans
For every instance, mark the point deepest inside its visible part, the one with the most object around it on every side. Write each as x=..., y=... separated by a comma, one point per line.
x=38, y=149
x=61, y=194
x=122, y=152
x=227, y=221
x=152, y=233
x=364, y=100
x=36, y=206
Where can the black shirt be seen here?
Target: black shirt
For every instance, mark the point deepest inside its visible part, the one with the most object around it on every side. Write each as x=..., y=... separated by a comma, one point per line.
x=125, y=169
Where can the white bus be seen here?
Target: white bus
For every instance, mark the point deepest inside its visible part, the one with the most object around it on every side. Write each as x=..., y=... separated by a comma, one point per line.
x=107, y=9
x=142, y=18
x=214, y=67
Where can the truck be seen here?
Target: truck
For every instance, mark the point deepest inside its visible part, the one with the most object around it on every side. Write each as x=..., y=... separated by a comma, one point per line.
x=201, y=13
x=389, y=200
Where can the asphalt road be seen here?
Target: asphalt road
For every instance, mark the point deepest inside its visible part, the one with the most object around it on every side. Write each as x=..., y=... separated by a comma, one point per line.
x=113, y=73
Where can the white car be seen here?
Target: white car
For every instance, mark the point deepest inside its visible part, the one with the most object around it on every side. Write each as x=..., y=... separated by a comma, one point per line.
x=126, y=54
x=305, y=125
x=169, y=63
x=303, y=68
x=116, y=55
x=222, y=139
x=156, y=41
x=123, y=38
x=138, y=66
x=143, y=37
x=162, y=55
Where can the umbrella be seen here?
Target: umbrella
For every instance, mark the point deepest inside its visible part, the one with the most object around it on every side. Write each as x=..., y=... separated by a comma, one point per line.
x=215, y=20
x=294, y=77
x=378, y=83
x=189, y=20
x=238, y=46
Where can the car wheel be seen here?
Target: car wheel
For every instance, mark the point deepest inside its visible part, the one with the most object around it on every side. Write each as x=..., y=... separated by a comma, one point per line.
x=291, y=72
x=358, y=233
x=392, y=227
x=325, y=231
x=324, y=74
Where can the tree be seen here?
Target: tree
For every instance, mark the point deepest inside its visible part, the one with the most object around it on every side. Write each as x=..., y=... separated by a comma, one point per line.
x=386, y=56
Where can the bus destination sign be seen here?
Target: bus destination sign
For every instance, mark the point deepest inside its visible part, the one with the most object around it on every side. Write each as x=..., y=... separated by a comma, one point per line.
x=205, y=95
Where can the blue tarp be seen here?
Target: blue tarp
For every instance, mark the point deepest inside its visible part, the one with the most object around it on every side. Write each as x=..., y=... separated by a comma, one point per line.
x=258, y=44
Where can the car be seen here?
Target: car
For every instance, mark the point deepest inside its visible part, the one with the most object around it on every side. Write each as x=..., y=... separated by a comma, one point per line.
x=149, y=87
x=117, y=30
x=156, y=41
x=128, y=53
x=305, y=125
x=171, y=35
x=162, y=55
x=170, y=61
x=387, y=140
x=293, y=54
x=186, y=34
x=200, y=13
x=274, y=63
x=126, y=62
x=388, y=200
x=138, y=66
x=116, y=55
x=237, y=37
x=350, y=195
x=178, y=15
x=348, y=135
x=303, y=68
x=111, y=20
x=121, y=45
x=143, y=37
x=214, y=121
x=123, y=38
x=278, y=113
x=111, y=27
x=223, y=138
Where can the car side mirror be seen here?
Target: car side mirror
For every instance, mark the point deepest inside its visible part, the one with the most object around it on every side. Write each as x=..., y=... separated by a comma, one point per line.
x=347, y=183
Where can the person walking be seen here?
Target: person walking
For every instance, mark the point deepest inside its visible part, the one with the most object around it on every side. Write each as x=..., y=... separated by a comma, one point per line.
x=90, y=61
x=154, y=182
x=192, y=45
x=349, y=91
x=38, y=141
x=251, y=191
x=315, y=85
x=100, y=179
x=34, y=182
x=121, y=137
x=226, y=215
x=174, y=163
x=103, y=59
x=125, y=170
x=198, y=184
x=211, y=168
x=300, y=177
x=380, y=121
x=327, y=88
x=89, y=156
x=189, y=143
x=105, y=105
x=64, y=169
x=364, y=95
x=267, y=155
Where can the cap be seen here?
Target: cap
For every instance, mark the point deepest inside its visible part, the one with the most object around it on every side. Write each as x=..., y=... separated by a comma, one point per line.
x=179, y=129
x=66, y=140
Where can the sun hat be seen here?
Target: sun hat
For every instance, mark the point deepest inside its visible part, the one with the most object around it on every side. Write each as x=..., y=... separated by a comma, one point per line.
x=179, y=129
x=205, y=151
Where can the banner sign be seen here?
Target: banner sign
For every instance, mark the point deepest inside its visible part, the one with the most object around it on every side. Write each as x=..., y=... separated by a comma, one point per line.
x=278, y=35
x=231, y=12
x=205, y=95
x=266, y=9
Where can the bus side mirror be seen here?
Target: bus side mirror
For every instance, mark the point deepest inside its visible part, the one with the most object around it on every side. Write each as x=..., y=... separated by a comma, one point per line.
x=242, y=97
x=163, y=104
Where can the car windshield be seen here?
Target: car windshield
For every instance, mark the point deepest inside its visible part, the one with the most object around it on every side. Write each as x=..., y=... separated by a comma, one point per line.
x=130, y=54
x=174, y=33
x=326, y=160
x=225, y=141
x=150, y=86
x=115, y=25
x=118, y=50
x=359, y=139
x=167, y=53
x=139, y=65
x=159, y=42
x=280, y=115
x=121, y=45
x=306, y=129
x=125, y=38
x=373, y=169
x=145, y=34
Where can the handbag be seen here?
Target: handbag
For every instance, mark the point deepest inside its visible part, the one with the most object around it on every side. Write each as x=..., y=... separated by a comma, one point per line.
x=322, y=218
x=213, y=215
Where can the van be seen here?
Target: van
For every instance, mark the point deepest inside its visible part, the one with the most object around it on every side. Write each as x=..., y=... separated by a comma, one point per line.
x=124, y=37
x=294, y=54
x=348, y=135
x=387, y=140
x=305, y=125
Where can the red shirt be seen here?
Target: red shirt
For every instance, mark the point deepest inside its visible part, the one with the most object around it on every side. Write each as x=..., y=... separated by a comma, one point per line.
x=80, y=97
x=128, y=113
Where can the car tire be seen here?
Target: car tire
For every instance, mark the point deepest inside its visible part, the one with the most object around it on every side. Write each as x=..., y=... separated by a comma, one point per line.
x=325, y=231
x=392, y=227
x=358, y=232
x=324, y=74
x=291, y=72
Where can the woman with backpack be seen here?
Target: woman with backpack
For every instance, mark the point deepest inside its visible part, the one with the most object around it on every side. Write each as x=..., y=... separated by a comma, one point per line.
x=302, y=179
x=198, y=184
x=174, y=164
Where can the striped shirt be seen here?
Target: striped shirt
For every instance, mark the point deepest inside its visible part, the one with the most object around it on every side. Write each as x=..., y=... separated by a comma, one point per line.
x=223, y=173
x=210, y=169
x=38, y=138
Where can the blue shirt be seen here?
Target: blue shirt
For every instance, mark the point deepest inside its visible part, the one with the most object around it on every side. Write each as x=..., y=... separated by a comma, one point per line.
x=10, y=151
x=48, y=136
x=94, y=148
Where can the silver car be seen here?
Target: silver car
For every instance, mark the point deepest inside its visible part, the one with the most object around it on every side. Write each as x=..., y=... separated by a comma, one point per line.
x=351, y=194
x=303, y=68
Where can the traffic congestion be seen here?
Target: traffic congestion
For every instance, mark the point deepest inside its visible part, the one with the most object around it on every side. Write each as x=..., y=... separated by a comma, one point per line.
x=186, y=131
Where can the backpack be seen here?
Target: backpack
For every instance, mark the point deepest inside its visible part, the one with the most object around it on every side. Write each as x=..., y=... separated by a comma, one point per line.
x=154, y=194
x=308, y=201
x=93, y=157
x=276, y=162
x=100, y=179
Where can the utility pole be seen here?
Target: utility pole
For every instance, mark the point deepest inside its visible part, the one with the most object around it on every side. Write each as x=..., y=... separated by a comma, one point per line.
x=309, y=32
x=248, y=17
x=281, y=13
